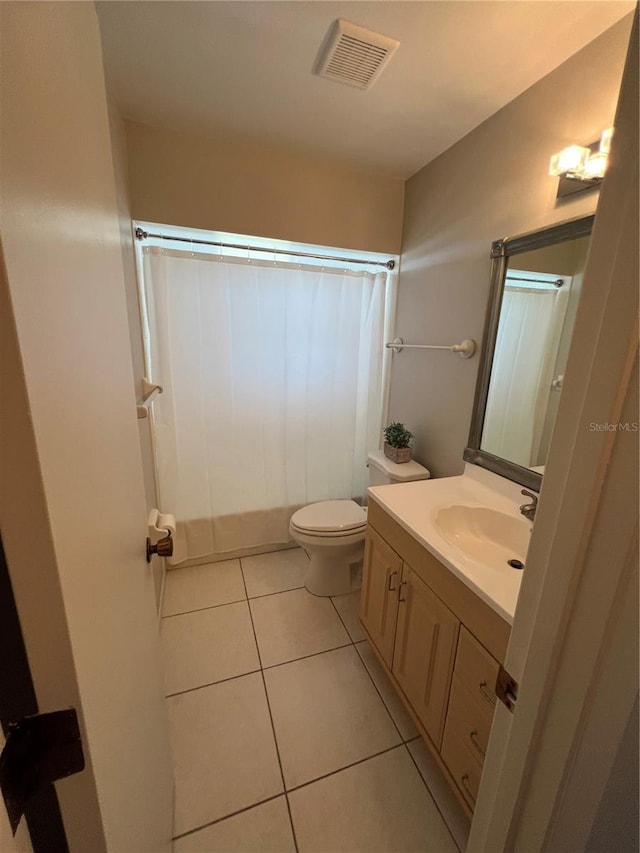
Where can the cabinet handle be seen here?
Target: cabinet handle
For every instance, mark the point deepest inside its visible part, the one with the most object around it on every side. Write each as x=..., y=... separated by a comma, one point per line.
x=465, y=787
x=486, y=695
x=474, y=740
x=389, y=586
x=400, y=598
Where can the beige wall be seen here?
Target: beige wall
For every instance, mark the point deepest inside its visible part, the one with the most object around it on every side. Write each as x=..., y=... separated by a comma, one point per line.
x=491, y=184
x=220, y=185
x=120, y=168
x=561, y=259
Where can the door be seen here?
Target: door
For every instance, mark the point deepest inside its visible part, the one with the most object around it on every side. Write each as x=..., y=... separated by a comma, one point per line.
x=72, y=508
x=425, y=648
x=379, y=597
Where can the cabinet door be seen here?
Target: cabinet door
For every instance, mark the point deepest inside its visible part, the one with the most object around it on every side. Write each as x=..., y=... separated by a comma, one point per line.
x=425, y=647
x=379, y=597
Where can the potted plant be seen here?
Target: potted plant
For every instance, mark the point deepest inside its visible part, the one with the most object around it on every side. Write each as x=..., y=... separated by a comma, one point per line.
x=397, y=442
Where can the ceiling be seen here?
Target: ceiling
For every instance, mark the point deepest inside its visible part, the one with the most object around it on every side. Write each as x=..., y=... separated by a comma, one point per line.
x=243, y=70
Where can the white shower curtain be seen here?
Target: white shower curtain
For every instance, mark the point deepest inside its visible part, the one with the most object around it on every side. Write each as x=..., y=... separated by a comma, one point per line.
x=525, y=352
x=273, y=388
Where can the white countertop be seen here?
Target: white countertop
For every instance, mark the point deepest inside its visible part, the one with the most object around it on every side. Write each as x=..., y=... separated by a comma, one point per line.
x=414, y=505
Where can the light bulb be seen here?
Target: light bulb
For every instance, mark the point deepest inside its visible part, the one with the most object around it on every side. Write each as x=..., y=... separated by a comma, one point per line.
x=605, y=140
x=595, y=167
x=572, y=159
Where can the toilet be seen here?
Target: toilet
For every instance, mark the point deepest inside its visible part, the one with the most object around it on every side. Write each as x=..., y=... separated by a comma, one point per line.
x=332, y=532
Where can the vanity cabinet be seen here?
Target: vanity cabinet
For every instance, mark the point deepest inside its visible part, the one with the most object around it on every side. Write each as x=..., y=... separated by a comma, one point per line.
x=440, y=644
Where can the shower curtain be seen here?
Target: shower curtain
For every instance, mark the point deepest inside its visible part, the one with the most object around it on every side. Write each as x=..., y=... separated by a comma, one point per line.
x=273, y=392
x=526, y=347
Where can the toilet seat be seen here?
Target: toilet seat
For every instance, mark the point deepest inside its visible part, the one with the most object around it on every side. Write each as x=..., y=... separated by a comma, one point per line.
x=340, y=534
x=330, y=519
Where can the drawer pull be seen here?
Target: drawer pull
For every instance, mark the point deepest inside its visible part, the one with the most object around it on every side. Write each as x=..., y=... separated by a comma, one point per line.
x=389, y=584
x=486, y=695
x=474, y=740
x=402, y=584
x=465, y=787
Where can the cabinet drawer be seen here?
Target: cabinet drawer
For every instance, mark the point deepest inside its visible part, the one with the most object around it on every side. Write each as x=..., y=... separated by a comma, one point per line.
x=462, y=765
x=476, y=669
x=469, y=719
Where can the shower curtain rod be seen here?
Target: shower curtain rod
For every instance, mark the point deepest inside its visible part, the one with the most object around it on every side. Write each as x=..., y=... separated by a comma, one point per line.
x=557, y=283
x=143, y=235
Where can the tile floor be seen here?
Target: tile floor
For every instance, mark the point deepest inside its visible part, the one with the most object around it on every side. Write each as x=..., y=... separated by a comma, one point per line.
x=286, y=734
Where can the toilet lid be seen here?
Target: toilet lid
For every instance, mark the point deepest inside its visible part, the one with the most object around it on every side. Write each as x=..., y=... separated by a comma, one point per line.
x=330, y=515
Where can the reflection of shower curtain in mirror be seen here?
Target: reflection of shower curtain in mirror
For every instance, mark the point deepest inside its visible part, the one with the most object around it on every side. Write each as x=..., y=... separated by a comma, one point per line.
x=525, y=353
x=273, y=378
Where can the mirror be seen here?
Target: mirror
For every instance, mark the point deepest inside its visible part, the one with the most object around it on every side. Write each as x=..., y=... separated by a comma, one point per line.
x=536, y=280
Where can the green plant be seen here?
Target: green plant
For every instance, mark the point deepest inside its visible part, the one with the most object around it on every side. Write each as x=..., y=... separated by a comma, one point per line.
x=397, y=435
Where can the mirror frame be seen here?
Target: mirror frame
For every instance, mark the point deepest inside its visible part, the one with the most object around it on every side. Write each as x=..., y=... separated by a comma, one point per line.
x=501, y=251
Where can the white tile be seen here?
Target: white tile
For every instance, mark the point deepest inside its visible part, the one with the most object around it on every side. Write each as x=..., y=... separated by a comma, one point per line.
x=378, y=806
x=400, y=715
x=327, y=714
x=292, y=624
x=196, y=587
x=348, y=606
x=265, y=828
x=207, y=646
x=450, y=808
x=274, y=572
x=224, y=753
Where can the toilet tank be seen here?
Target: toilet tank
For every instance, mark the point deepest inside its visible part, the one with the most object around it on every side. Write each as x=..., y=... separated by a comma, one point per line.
x=383, y=472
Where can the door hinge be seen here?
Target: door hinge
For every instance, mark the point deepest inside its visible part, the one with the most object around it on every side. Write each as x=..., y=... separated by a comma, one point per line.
x=507, y=689
x=39, y=749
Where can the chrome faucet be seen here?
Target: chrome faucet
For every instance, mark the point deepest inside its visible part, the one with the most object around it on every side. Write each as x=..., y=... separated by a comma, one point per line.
x=529, y=510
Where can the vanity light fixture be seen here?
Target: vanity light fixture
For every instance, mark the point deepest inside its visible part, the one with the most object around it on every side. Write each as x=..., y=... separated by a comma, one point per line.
x=581, y=167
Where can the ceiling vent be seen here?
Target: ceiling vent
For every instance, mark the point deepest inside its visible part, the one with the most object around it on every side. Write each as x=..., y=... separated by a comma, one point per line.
x=355, y=56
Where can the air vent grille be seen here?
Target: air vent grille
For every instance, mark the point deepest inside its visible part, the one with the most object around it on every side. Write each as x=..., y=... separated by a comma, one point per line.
x=355, y=56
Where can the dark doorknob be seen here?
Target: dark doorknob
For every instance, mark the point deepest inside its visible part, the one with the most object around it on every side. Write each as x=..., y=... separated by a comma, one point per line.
x=163, y=547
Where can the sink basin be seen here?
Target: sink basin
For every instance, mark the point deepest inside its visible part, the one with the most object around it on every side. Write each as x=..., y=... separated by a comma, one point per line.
x=483, y=534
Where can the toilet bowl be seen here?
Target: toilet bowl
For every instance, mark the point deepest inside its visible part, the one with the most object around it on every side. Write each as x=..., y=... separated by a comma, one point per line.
x=333, y=532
